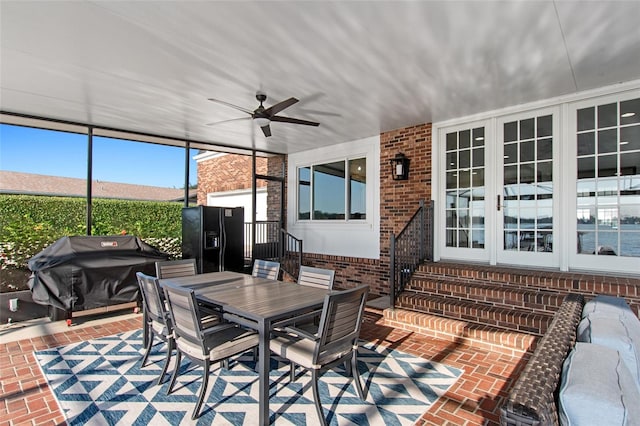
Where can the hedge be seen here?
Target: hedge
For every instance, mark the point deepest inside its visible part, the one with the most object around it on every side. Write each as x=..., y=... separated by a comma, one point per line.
x=30, y=223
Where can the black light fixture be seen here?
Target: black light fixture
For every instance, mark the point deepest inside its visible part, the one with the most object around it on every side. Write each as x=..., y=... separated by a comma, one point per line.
x=400, y=167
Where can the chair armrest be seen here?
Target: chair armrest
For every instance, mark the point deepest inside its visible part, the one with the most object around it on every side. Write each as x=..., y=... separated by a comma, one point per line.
x=301, y=333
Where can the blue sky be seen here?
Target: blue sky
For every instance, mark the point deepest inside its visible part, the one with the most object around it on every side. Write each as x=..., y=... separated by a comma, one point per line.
x=47, y=152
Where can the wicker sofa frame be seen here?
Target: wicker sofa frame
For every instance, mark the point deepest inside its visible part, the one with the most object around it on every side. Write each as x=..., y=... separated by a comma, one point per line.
x=533, y=398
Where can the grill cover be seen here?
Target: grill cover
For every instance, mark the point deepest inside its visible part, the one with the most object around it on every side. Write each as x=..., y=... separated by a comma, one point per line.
x=80, y=272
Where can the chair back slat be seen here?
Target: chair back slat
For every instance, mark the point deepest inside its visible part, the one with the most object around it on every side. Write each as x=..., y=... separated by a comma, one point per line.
x=340, y=322
x=176, y=268
x=266, y=269
x=316, y=277
x=184, y=312
x=151, y=297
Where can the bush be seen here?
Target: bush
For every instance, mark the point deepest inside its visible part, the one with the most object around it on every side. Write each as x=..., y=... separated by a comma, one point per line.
x=29, y=223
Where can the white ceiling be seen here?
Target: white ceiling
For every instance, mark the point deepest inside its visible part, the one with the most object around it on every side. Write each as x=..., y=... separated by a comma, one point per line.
x=359, y=68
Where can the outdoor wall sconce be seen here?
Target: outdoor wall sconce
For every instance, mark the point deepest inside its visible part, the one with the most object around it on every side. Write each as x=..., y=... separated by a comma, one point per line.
x=400, y=167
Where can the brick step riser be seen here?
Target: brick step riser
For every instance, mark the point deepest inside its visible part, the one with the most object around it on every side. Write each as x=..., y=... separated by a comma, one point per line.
x=460, y=332
x=516, y=320
x=516, y=280
x=531, y=279
x=537, y=280
x=501, y=296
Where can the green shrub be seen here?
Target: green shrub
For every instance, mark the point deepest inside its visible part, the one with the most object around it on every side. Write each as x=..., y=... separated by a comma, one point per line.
x=29, y=223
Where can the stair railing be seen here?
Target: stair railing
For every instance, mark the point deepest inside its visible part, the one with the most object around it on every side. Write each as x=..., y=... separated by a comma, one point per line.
x=273, y=243
x=291, y=255
x=412, y=246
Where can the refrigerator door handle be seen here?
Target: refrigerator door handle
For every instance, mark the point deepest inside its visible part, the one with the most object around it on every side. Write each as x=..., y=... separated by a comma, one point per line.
x=223, y=241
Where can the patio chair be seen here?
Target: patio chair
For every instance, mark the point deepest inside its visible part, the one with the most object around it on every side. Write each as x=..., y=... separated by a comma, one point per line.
x=266, y=269
x=336, y=341
x=157, y=319
x=186, y=268
x=176, y=268
x=316, y=277
x=203, y=346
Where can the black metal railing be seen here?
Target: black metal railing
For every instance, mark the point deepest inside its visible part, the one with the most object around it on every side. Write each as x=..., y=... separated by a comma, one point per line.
x=268, y=243
x=291, y=254
x=412, y=246
x=273, y=243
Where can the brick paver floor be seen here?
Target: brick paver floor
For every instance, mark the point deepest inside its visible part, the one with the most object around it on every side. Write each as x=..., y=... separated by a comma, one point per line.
x=473, y=400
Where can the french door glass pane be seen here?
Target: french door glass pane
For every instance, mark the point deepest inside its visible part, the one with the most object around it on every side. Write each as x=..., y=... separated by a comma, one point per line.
x=528, y=184
x=608, y=179
x=465, y=177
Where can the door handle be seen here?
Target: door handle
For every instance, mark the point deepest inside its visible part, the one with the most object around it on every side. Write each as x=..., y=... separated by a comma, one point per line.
x=498, y=203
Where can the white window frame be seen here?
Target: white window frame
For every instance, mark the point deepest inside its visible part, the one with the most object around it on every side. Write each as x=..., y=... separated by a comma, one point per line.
x=588, y=261
x=347, y=237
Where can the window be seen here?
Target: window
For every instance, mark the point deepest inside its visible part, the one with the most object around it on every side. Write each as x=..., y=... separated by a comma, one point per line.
x=528, y=184
x=333, y=191
x=608, y=179
x=465, y=190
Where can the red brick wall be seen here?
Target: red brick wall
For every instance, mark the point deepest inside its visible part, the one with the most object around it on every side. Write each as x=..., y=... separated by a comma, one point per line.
x=398, y=202
x=227, y=173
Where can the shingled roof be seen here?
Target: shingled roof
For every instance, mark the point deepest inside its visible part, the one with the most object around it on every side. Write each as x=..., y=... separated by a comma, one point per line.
x=34, y=184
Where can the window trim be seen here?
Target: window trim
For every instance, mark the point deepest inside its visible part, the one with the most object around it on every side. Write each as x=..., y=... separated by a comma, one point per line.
x=348, y=237
x=347, y=190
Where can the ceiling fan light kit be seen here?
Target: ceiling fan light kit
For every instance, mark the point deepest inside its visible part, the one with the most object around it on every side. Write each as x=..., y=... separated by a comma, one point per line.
x=264, y=116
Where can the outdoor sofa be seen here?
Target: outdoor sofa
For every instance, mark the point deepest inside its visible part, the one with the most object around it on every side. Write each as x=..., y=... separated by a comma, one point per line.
x=584, y=370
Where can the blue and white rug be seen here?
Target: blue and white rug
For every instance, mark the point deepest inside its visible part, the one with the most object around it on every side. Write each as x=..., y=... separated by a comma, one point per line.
x=100, y=382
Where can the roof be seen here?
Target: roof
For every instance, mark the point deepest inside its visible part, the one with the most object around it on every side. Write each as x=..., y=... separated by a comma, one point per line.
x=34, y=184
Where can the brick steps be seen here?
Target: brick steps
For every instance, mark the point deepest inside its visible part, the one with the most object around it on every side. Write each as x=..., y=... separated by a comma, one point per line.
x=461, y=333
x=498, y=294
x=481, y=313
x=497, y=307
x=537, y=279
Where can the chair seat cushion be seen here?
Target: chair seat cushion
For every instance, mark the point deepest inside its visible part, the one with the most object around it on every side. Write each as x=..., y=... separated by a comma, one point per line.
x=597, y=388
x=219, y=345
x=300, y=350
x=296, y=349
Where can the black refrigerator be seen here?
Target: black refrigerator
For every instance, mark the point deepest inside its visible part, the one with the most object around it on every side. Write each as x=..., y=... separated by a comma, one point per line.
x=214, y=236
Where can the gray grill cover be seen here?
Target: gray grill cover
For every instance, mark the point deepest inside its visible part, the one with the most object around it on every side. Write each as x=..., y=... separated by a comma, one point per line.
x=80, y=272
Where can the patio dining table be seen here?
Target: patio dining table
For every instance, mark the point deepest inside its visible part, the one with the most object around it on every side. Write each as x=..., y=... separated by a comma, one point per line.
x=256, y=303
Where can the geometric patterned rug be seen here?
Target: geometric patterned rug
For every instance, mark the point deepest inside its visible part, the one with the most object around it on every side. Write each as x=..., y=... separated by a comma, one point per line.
x=100, y=382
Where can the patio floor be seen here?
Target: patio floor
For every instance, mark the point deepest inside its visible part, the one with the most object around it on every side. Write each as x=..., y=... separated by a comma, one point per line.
x=473, y=400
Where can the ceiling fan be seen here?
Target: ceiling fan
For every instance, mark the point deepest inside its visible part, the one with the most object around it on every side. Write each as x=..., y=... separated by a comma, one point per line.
x=264, y=116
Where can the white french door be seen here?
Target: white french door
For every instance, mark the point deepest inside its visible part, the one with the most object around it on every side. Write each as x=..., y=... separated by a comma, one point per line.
x=499, y=188
x=466, y=177
x=526, y=188
x=556, y=186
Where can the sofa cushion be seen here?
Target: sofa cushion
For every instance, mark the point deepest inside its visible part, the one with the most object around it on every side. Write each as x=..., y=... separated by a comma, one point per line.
x=619, y=333
x=607, y=305
x=597, y=388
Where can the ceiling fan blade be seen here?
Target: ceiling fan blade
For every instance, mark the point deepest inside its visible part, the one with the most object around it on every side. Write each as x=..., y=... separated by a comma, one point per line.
x=266, y=130
x=239, y=108
x=227, y=121
x=274, y=109
x=294, y=121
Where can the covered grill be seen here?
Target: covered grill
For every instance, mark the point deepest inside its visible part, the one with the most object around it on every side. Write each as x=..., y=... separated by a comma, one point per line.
x=86, y=272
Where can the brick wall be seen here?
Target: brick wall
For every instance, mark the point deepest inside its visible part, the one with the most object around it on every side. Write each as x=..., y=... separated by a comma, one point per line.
x=227, y=173
x=275, y=196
